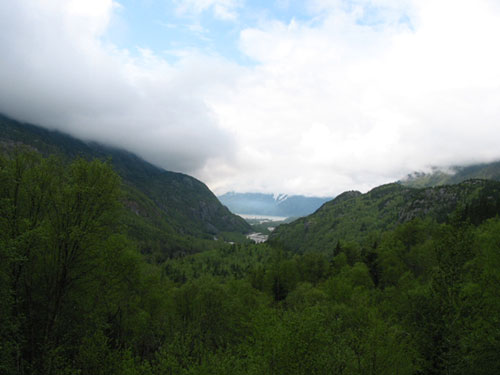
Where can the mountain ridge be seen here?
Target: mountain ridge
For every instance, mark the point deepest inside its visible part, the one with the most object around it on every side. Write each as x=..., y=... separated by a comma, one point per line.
x=453, y=175
x=171, y=202
x=352, y=216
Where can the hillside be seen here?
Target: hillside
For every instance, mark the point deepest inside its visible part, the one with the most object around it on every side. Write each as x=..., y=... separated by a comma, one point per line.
x=353, y=216
x=455, y=175
x=417, y=297
x=164, y=206
x=273, y=205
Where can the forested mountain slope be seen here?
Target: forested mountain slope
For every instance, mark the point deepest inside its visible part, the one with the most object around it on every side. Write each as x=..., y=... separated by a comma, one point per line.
x=165, y=206
x=457, y=174
x=77, y=298
x=353, y=216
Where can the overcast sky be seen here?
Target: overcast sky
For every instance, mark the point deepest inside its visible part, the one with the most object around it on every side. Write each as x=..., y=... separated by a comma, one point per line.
x=303, y=97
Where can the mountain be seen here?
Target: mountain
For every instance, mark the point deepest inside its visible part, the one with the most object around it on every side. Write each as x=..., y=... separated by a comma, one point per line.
x=353, y=216
x=453, y=175
x=164, y=207
x=272, y=205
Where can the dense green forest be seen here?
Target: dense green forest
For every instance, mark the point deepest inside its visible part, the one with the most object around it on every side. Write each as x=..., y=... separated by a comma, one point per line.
x=78, y=295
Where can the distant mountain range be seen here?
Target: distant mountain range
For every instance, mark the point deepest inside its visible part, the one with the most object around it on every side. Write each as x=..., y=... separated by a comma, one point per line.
x=166, y=210
x=271, y=205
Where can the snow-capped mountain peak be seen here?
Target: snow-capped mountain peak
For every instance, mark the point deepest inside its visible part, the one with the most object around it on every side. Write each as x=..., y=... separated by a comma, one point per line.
x=279, y=198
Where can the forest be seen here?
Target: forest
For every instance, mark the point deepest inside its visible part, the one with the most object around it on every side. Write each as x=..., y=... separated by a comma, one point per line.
x=80, y=295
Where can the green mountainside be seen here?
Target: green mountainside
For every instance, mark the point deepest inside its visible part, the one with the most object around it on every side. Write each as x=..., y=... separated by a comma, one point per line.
x=353, y=216
x=457, y=174
x=167, y=212
x=395, y=281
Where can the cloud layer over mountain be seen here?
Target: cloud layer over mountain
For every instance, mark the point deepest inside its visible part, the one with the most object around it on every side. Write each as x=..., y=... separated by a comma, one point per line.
x=57, y=71
x=349, y=95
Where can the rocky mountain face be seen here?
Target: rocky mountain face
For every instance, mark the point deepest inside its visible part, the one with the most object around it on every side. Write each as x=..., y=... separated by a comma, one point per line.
x=352, y=216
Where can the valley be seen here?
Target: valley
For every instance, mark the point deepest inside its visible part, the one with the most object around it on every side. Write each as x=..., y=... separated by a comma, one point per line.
x=257, y=237
x=112, y=265
x=263, y=225
x=232, y=187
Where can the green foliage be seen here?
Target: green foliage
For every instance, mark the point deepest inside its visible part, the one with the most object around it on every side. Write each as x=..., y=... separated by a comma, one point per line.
x=65, y=270
x=355, y=217
x=167, y=214
x=77, y=297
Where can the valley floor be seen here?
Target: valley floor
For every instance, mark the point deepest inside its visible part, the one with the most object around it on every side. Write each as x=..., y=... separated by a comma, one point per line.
x=257, y=237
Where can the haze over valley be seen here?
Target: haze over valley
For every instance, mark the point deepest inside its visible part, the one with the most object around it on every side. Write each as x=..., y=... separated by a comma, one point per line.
x=277, y=205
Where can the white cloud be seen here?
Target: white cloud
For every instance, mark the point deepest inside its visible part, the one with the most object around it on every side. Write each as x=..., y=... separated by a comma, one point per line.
x=363, y=93
x=342, y=104
x=56, y=71
x=222, y=9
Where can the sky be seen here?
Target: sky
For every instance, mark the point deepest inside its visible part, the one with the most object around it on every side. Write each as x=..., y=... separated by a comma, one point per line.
x=298, y=97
